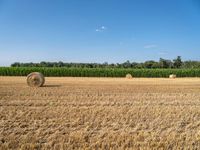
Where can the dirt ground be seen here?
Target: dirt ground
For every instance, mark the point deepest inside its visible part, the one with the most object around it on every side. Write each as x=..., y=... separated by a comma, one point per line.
x=100, y=113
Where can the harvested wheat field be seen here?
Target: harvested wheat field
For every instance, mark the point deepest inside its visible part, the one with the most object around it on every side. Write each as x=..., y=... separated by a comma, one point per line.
x=100, y=113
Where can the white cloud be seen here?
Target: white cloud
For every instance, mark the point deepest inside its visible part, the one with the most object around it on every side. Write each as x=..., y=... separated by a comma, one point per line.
x=150, y=46
x=101, y=29
x=162, y=53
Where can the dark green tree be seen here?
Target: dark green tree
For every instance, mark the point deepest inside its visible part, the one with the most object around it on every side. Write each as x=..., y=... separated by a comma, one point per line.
x=177, y=62
x=163, y=63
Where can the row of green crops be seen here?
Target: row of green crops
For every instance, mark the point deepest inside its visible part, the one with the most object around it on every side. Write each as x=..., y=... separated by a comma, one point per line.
x=98, y=72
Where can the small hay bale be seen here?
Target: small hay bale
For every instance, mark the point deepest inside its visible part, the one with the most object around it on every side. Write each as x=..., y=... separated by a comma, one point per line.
x=129, y=76
x=35, y=79
x=172, y=76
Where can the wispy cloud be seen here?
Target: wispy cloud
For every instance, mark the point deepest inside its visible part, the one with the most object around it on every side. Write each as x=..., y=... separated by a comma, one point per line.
x=150, y=46
x=162, y=53
x=101, y=29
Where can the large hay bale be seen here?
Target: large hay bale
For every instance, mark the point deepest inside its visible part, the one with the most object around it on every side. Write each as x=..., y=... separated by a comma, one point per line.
x=172, y=76
x=129, y=76
x=35, y=79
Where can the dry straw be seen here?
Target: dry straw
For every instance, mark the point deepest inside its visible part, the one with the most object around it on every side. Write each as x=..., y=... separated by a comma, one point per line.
x=35, y=79
x=172, y=76
x=129, y=76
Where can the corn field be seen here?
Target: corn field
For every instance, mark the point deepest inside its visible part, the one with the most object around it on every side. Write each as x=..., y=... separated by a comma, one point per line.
x=98, y=72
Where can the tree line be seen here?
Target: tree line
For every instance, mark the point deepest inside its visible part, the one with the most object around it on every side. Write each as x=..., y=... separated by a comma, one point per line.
x=151, y=64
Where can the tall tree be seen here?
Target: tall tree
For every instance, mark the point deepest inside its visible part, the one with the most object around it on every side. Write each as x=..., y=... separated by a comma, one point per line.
x=165, y=63
x=177, y=62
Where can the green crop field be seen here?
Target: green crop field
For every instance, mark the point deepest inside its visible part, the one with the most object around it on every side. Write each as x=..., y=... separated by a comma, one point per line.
x=98, y=72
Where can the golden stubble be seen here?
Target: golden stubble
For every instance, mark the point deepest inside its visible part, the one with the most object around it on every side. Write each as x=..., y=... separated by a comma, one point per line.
x=100, y=113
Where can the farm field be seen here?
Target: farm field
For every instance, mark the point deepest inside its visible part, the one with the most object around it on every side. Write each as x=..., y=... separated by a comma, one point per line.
x=100, y=113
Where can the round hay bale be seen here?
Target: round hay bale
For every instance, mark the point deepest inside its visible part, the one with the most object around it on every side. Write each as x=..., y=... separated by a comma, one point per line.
x=129, y=76
x=172, y=76
x=35, y=79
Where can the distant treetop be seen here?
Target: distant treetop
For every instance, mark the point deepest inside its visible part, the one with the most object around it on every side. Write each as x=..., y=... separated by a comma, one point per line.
x=162, y=63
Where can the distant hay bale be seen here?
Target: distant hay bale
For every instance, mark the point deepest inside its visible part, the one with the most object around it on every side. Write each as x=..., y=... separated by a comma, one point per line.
x=35, y=79
x=172, y=76
x=129, y=76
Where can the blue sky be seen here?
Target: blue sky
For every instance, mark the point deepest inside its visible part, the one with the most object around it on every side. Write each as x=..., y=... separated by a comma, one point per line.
x=98, y=30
